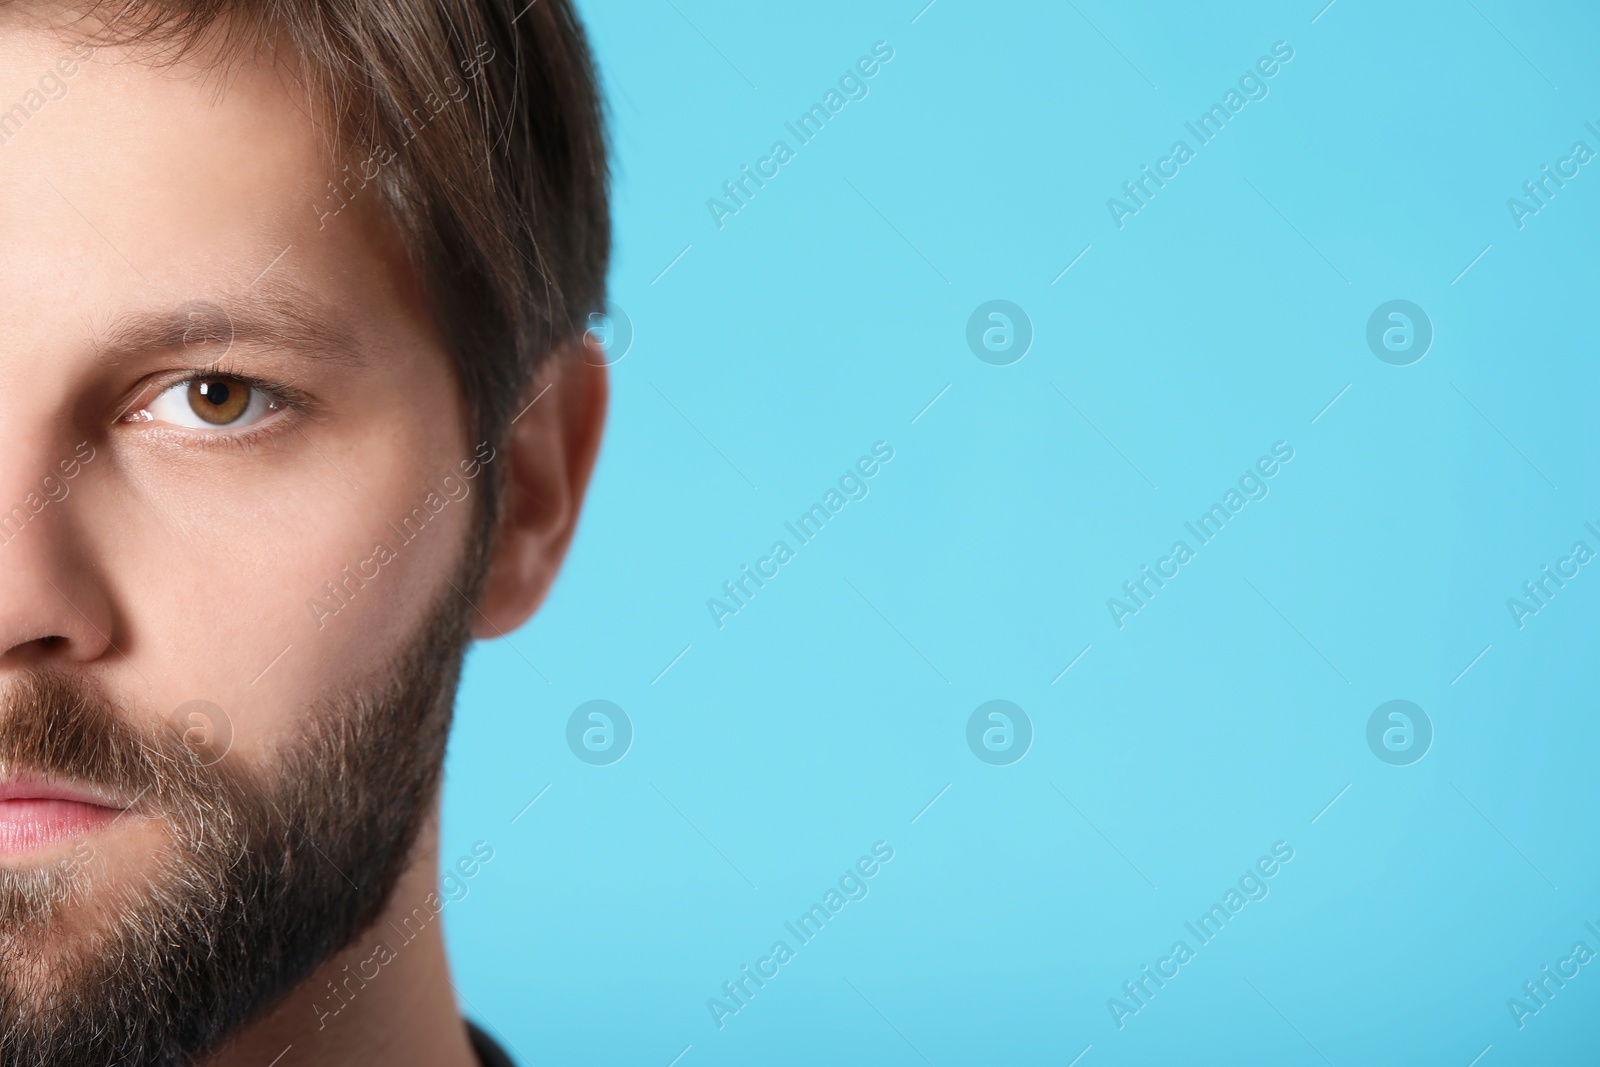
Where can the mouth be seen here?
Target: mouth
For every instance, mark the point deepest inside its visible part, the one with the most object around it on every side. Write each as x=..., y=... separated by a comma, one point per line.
x=35, y=814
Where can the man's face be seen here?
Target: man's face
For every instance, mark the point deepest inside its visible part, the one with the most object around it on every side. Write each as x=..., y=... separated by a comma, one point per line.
x=234, y=469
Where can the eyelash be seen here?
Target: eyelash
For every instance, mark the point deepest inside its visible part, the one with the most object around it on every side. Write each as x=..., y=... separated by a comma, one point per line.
x=291, y=404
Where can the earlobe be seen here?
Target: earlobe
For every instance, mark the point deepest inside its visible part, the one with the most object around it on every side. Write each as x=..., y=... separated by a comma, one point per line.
x=550, y=452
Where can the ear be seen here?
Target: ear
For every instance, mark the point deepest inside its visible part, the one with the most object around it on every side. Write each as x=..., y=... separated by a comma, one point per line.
x=551, y=449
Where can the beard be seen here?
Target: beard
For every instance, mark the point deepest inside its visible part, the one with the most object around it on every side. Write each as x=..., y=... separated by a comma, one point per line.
x=263, y=874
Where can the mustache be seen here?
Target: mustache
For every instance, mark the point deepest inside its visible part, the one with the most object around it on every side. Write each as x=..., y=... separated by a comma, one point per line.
x=61, y=728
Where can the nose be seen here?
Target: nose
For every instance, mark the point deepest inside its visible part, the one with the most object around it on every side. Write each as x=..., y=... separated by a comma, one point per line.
x=53, y=606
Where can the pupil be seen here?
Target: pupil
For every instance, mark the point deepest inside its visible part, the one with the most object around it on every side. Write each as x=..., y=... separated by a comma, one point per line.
x=215, y=392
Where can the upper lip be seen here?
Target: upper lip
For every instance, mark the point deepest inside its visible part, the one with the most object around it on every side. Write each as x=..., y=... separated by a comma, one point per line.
x=24, y=788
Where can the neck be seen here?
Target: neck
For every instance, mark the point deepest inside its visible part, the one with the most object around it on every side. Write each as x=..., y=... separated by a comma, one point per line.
x=387, y=999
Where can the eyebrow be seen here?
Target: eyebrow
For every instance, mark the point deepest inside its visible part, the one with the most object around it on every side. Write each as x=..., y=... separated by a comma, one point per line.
x=281, y=316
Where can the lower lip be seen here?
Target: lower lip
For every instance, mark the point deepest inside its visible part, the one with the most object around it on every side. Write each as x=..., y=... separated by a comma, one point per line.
x=26, y=825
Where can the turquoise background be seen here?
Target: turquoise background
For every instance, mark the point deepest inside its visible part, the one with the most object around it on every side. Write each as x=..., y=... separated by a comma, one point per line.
x=1227, y=315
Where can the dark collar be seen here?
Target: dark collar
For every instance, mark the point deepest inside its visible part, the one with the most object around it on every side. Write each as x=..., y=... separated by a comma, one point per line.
x=490, y=1054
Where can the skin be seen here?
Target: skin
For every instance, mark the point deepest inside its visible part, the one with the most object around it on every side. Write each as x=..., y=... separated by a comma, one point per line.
x=180, y=563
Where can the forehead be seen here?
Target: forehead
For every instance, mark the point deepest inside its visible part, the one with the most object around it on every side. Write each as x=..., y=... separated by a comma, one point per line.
x=132, y=184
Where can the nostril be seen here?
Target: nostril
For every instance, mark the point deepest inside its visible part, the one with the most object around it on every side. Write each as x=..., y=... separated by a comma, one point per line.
x=51, y=643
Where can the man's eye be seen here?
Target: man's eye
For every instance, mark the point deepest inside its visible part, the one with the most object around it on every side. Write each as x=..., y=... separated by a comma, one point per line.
x=215, y=403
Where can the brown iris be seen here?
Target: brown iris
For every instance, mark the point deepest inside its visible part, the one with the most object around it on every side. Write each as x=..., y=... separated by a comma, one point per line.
x=219, y=401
